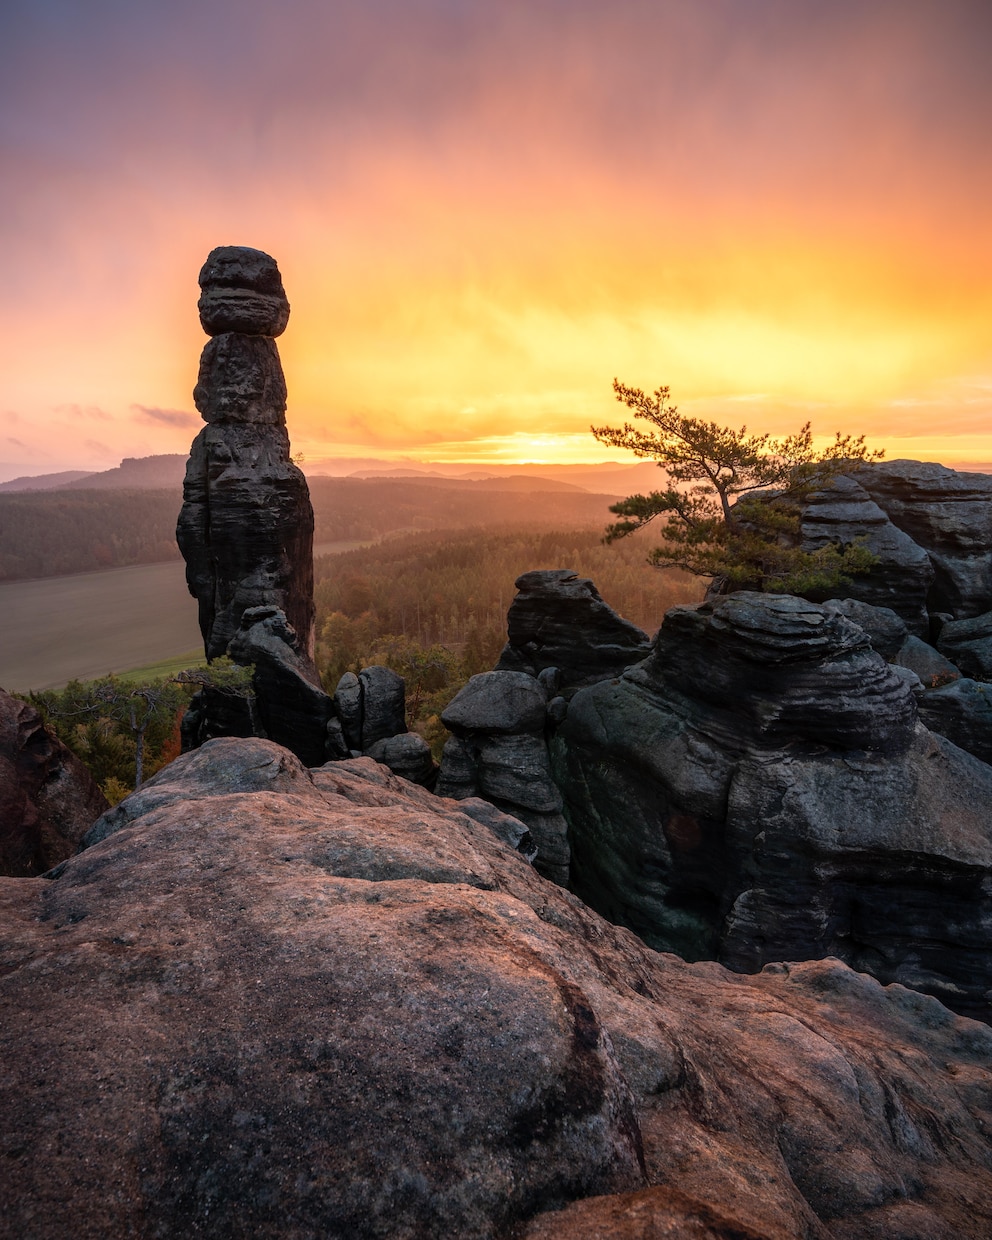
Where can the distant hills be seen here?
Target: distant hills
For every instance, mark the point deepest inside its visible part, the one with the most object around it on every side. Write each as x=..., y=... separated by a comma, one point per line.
x=158, y=472
x=139, y=473
x=46, y=482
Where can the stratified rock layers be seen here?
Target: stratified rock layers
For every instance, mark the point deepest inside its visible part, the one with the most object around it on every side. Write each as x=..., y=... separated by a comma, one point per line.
x=760, y=789
x=271, y=1002
x=558, y=620
x=246, y=527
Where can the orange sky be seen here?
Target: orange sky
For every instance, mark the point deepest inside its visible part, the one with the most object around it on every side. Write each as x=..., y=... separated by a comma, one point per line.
x=485, y=211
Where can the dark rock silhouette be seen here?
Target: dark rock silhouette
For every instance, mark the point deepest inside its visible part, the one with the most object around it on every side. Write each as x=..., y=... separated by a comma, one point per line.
x=558, y=620
x=845, y=512
x=949, y=514
x=48, y=799
x=499, y=752
x=329, y=1001
x=246, y=533
x=760, y=789
x=246, y=527
x=968, y=644
x=961, y=710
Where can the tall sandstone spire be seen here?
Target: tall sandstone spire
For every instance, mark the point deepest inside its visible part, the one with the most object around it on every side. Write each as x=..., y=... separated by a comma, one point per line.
x=246, y=526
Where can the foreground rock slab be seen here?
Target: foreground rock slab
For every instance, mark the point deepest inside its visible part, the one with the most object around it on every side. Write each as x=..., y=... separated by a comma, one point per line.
x=273, y=1002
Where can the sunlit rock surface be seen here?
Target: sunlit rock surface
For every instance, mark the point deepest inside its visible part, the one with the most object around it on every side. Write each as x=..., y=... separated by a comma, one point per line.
x=272, y=1002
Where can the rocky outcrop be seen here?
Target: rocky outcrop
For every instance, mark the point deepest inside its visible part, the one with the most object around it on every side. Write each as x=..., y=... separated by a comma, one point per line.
x=273, y=1001
x=48, y=799
x=961, y=710
x=499, y=752
x=760, y=788
x=968, y=644
x=845, y=513
x=246, y=526
x=558, y=620
x=949, y=515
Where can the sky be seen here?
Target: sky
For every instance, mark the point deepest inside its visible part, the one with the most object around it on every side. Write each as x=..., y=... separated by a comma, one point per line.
x=484, y=210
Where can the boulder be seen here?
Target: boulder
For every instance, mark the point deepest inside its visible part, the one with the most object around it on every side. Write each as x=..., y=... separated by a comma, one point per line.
x=559, y=620
x=278, y=1002
x=407, y=755
x=348, y=707
x=512, y=772
x=949, y=514
x=383, y=704
x=498, y=752
x=928, y=665
x=968, y=643
x=292, y=708
x=242, y=292
x=961, y=710
x=497, y=703
x=48, y=799
x=761, y=788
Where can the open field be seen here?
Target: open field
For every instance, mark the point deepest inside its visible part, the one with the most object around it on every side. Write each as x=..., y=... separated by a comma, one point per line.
x=140, y=619
x=88, y=624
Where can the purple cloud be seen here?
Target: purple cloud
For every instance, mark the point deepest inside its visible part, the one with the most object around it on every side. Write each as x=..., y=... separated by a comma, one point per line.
x=165, y=417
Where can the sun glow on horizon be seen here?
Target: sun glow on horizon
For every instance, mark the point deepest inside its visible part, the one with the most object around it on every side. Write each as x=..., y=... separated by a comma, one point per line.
x=481, y=223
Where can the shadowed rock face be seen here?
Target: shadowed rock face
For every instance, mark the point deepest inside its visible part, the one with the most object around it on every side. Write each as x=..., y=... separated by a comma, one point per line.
x=48, y=799
x=498, y=751
x=760, y=789
x=558, y=620
x=902, y=576
x=949, y=514
x=272, y=1001
x=246, y=526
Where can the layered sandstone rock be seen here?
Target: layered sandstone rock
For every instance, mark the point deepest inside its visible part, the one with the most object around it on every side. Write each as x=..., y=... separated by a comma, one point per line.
x=48, y=799
x=948, y=513
x=246, y=527
x=498, y=751
x=270, y=1001
x=844, y=512
x=558, y=620
x=760, y=788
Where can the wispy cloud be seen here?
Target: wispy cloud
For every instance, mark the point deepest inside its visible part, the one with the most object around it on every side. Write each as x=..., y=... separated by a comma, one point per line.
x=164, y=417
x=92, y=413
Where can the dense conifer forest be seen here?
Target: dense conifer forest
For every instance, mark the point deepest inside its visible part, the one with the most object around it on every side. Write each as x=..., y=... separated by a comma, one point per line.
x=48, y=533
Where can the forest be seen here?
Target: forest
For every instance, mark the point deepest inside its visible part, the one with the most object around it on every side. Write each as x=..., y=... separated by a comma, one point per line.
x=433, y=606
x=430, y=605
x=48, y=533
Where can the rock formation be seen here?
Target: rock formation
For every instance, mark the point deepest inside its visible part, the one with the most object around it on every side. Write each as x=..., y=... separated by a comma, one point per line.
x=48, y=799
x=246, y=533
x=246, y=527
x=844, y=513
x=760, y=789
x=949, y=514
x=499, y=752
x=558, y=620
x=273, y=1002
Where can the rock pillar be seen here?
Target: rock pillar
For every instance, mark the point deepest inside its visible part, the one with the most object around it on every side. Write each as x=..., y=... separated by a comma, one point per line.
x=246, y=526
